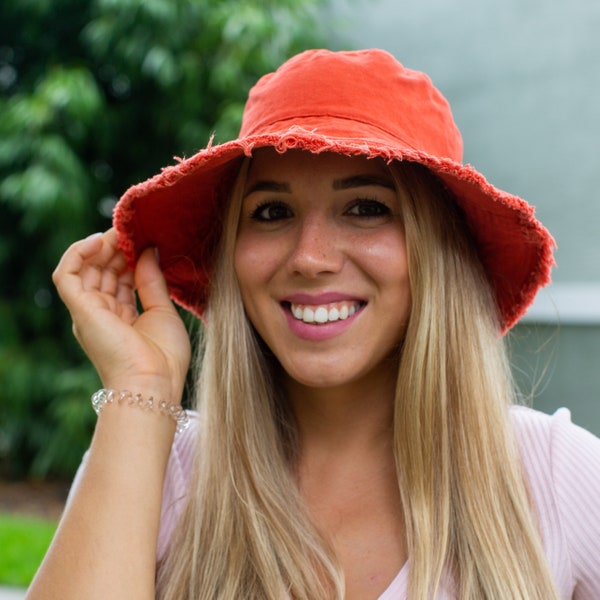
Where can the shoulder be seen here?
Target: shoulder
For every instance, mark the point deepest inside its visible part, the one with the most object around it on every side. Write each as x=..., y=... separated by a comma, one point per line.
x=177, y=480
x=555, y=452
x=562, y=463
x=554, y=440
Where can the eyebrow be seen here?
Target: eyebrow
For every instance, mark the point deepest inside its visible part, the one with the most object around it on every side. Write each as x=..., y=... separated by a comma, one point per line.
x=362, y=181
x=268, y=186
x=345, y=183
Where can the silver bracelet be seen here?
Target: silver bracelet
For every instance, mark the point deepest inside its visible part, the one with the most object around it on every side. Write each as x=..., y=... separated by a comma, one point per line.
x=175, y=411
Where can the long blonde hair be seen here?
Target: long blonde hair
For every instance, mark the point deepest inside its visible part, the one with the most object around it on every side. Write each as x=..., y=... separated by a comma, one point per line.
x=245, y=532
x=467, y=510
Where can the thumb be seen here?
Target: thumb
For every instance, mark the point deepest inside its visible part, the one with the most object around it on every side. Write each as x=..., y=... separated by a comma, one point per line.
x=150, y=282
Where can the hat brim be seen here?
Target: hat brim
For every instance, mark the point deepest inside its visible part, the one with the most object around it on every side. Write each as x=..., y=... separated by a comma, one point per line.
x=179, y=211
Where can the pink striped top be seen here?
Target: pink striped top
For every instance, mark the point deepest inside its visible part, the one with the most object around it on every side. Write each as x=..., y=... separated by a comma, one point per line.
x=562, y=462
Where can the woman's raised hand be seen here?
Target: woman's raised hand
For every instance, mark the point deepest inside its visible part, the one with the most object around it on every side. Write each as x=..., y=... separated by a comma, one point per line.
x=116, y=500
x=147, y=352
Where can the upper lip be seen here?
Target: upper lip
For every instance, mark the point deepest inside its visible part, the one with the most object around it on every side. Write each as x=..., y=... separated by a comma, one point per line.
x=323, y=298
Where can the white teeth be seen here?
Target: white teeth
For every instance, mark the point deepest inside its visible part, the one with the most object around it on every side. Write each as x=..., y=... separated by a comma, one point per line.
x=324, y=314
x=321, y=314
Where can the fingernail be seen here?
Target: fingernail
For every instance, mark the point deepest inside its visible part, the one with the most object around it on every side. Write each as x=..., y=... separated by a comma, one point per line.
x=94, y=235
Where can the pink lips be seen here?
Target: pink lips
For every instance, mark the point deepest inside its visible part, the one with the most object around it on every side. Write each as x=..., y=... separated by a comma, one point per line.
x=313, y=331
x=326, y=298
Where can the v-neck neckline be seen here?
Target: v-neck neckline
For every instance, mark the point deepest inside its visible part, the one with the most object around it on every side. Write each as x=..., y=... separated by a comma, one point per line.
x=398, y=586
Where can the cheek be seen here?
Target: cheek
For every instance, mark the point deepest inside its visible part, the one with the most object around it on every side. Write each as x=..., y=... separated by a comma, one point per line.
x=254, y=271
x=387, y=257
x=387, y=263
x=254, y=265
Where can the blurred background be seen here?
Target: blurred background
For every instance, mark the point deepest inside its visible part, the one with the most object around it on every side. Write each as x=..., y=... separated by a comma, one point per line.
x=96, y=95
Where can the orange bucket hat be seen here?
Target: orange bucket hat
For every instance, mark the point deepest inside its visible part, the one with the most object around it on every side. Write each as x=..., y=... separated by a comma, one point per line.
x=353, y=103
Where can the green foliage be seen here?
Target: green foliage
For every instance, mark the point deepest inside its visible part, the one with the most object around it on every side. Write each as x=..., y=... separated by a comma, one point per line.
x=96, y=95
x=24, y=542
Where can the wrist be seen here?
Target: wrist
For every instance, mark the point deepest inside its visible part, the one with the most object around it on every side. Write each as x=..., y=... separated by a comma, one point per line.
x=163, y=387
x=107, y=398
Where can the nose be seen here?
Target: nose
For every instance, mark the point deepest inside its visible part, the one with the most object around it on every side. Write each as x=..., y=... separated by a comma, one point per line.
x=317, y=248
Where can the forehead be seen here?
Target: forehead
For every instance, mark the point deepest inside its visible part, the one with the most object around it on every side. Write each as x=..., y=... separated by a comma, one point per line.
x=267, y=163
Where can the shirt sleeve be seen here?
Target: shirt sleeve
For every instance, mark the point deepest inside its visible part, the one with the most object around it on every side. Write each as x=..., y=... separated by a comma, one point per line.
x=176, y=484
x=576, y=479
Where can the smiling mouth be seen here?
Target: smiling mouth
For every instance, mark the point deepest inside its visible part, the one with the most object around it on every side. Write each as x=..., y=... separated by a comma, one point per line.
x=324, y=313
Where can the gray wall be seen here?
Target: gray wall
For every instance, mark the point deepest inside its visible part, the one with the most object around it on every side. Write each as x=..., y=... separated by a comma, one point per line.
x=559, y=365
x=523, y=78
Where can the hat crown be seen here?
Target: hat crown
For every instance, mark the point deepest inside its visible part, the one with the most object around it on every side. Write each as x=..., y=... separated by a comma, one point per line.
x=364, y=94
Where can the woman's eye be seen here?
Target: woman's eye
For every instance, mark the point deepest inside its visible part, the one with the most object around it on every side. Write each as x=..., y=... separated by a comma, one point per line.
x=271, y=211
x=368, y=208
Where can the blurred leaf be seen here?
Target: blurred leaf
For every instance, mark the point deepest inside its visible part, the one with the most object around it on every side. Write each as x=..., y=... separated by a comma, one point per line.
x=24, y=114
x=71, y=93
x=160, y=64
x=53, y=185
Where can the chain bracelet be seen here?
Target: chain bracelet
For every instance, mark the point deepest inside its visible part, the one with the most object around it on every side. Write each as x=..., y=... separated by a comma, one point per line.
x=175, y=411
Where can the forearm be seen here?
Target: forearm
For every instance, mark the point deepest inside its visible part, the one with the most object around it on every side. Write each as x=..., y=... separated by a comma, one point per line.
x=105, y=545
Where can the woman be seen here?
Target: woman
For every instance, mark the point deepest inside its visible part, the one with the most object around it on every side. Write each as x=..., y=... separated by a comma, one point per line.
x=354, y=435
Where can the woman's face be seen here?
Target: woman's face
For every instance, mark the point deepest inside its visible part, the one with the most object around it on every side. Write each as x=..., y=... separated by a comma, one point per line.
x=321, y=263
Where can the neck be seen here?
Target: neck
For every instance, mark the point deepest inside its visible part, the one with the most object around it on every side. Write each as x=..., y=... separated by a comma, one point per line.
x=345, y=445
x=351, y=418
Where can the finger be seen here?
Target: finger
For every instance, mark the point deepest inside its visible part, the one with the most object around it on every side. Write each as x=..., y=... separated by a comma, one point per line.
x=105, y=267
x=77, y=253
x=125, y=288
x=66, y=275
x=113, y=273
x=150, y=283
x=114, y=257
x=96, y=265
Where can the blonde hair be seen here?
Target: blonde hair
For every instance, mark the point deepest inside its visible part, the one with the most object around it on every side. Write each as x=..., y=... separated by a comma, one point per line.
x=246, y=532
x=467, y=509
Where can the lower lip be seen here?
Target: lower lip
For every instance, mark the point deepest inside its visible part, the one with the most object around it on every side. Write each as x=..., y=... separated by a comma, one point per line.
x=317, y=332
